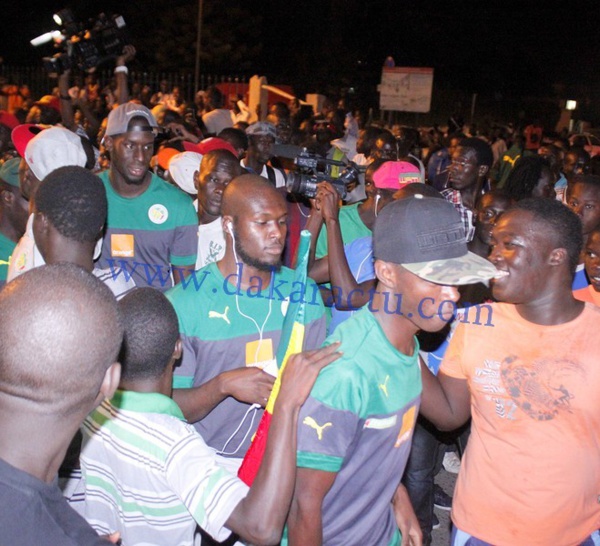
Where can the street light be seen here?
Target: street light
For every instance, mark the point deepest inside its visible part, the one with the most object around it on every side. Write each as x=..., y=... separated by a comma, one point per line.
x=198, y=42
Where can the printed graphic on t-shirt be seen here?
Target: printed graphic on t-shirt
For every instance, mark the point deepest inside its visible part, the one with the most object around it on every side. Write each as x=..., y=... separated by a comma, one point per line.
x=222, y=316
x=260, y=354
x=214, y=249
x=543, y=389
x=158, y=214
x=311, y=423
x=408, y=423
x=122, y=245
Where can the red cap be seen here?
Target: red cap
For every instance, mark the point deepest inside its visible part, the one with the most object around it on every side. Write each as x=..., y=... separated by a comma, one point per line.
x=22, y=134
x=208, y=145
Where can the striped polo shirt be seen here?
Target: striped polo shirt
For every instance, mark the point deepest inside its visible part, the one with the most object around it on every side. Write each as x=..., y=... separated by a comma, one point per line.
x=149, y=475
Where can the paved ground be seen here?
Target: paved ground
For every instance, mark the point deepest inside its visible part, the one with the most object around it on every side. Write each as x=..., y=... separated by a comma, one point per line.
x=441, y=536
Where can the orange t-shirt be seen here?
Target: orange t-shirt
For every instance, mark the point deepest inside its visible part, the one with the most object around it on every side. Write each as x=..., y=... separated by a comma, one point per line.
x=587, y=294
x=531, y=471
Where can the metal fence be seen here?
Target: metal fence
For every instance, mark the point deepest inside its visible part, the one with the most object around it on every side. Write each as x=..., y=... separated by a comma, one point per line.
x=39, y=83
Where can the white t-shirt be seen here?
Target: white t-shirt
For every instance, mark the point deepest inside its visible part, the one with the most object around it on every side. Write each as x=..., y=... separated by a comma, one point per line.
x=279, y=175
x=25, y=256
x=211, y=242
x=217, y=120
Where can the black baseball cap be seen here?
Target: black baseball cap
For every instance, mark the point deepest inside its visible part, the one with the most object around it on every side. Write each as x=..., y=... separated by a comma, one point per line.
x=426, y=236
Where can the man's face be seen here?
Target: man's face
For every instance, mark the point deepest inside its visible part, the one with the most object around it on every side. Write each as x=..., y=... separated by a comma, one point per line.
x=489, y=209
x=213, y=178
x=384, y=150
x=592, y=259
x=549, y=155
x=383, y=197
x=584, y=200
x=18, y=212
x=545, y=186
x=427, y=305
x=130, y=154
x=28, y=182
x=361, y=143
x=521, y=250
x=260, y=230
x=453, y=145
x=464, y=170
x=15, y=208
x=574, y=164
x=261, y=147
x=284, y=132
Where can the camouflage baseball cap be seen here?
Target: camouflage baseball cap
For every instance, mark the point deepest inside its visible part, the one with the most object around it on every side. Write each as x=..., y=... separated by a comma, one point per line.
x=426, y=236
x=262, y=128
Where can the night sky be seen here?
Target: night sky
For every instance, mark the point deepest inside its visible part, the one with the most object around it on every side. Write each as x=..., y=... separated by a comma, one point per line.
x=478, y=46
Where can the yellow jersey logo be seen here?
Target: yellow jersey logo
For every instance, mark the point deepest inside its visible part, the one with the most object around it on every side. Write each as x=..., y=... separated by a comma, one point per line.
x=309, y=421
x=383, y=386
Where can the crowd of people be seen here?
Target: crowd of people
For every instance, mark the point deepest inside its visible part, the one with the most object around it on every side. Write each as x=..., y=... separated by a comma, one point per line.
x=157, y=296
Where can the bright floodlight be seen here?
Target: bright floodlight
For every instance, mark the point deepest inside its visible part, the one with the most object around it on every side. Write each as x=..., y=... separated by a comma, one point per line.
x=46, y=37
x=571, y=105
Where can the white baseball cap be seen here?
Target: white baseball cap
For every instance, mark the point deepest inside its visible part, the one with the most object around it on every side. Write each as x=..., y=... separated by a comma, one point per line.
x=182, y=168
x=53, y=148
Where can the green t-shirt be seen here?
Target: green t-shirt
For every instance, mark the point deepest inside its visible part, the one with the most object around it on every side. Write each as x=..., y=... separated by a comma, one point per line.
x=148, y=233
x=6, y=249
x=225, y=328
x=351, y=226
x=358, y=422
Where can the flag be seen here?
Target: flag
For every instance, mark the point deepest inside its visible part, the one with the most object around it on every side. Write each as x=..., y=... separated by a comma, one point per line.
x=292, y=339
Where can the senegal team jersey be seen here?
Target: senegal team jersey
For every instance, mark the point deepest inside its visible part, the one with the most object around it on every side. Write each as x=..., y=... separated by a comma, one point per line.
x=358, y=422
x=148, y=233
x=224, y=327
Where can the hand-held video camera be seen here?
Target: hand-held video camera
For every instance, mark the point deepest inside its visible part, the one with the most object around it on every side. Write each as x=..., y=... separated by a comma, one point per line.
x=311, y=169
x=82, y=46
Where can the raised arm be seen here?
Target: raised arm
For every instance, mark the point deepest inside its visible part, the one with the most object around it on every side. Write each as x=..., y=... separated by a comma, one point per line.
x=66, y=102
x=352, y=294
x=121, y=73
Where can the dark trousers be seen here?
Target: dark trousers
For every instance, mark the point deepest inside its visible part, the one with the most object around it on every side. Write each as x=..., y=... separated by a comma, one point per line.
x=424, y=462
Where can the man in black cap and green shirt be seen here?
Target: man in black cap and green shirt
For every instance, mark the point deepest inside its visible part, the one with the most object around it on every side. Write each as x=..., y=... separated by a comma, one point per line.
x=152, y=226
x=13, y=213
x=355, y=429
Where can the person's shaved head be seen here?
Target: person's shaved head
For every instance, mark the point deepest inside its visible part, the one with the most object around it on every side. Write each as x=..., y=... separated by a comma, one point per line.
x=248, y=190
x=60, y=331
x=255, y=216
x=220, y=157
